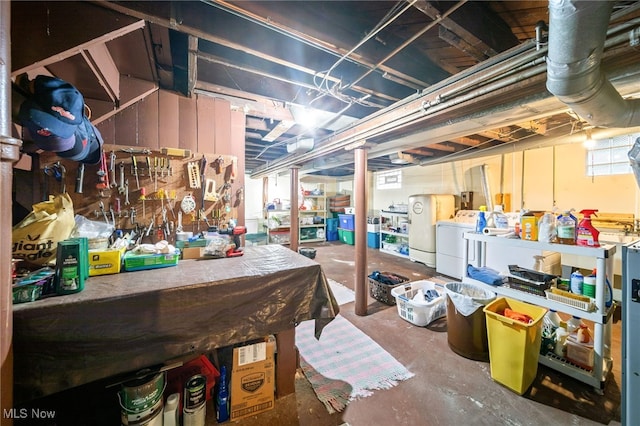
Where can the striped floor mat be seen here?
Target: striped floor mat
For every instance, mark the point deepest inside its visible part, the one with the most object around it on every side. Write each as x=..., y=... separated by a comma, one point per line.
x=345, y=364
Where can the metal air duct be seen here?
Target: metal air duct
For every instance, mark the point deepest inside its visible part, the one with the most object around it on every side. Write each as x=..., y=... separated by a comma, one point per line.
x=577, y=32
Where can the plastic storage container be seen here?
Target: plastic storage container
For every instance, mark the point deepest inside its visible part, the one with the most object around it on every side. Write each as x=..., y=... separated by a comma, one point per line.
x=413, y=303
x=514, y=345
x=373, y=239
x=466, y=324
x=346, y=221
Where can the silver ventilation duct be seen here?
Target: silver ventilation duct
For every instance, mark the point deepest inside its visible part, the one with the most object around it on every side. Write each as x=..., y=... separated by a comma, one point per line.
x=577, y=32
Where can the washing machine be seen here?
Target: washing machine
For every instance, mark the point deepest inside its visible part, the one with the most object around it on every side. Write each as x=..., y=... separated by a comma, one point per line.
x=450, y=249
x=450, y=244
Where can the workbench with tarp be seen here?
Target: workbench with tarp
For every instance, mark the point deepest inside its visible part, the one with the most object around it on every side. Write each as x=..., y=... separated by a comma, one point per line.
x=126, y=322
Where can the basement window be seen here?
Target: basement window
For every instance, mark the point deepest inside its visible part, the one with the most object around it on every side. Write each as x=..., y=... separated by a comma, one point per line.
x=389, y=180
x=609, y=156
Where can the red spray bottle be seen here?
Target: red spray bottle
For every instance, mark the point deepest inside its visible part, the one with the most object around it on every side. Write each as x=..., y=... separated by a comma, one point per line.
x=587, y=235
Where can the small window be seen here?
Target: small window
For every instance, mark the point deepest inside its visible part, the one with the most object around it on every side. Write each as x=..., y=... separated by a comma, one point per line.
x=609, y=156
x=389, y=180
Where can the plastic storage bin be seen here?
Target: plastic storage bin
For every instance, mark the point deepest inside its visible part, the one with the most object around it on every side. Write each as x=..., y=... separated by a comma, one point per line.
x=466, y=323
x=346, y=221
x=332, y=224
x=414, y=307
x=513, y=345
x=346, y=236
x=373, y=239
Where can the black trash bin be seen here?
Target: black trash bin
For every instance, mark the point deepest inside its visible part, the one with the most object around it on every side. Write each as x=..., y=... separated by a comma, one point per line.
x=466, y=323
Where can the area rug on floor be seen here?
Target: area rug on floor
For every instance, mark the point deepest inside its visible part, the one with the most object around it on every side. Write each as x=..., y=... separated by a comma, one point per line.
x=345, y=364
x=342, y=293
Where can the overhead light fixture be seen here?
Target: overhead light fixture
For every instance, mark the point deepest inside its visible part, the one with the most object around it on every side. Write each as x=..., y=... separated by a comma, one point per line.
x=588, y=143
x=401, y=158
x=304, y=116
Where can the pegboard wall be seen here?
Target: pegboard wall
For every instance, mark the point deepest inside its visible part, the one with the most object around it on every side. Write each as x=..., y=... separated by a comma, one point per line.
x=158, y=191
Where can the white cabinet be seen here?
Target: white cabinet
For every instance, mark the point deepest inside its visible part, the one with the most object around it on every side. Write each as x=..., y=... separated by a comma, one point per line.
x=394, y=233
x=313, y=215
x=600, y=258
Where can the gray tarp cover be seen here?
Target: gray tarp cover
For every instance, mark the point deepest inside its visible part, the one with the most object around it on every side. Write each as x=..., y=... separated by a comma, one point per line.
x=132, y=320
x=467, y=298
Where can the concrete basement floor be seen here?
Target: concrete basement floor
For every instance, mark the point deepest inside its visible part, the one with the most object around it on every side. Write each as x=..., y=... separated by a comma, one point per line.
x=447, y=389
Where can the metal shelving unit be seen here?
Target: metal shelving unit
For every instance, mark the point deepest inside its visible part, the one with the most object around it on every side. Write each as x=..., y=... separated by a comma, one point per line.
x=601, y=316
x=318, y=200
x=390, y=223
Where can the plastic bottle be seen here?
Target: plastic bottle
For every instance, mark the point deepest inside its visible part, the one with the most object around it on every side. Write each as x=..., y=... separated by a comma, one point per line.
x=608, y=291
x=500, y=219
x=573, y=324
x=170, y=413
x=586, y=234
x=577, y=281
x=547, y=228
x=561, y=338
x=481, y=222
x=553, y=318
x=566, y=225
x=222, y=399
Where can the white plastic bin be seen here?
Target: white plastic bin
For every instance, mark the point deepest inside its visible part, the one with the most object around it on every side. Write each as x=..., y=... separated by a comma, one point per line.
x=414, y=307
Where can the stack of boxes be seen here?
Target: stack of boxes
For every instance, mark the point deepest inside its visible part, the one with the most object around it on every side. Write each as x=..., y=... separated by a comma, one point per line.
x=346, y=228
x=373, y=232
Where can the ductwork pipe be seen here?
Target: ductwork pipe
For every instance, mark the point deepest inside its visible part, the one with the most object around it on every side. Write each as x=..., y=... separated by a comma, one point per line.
x=577, y=32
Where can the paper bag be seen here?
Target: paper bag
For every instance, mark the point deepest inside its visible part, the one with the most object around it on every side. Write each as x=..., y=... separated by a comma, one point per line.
x=36, y=237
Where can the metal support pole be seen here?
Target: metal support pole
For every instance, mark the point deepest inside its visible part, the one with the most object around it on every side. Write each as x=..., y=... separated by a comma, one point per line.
x=9, y=154
x=295, y=221
x=360, y=222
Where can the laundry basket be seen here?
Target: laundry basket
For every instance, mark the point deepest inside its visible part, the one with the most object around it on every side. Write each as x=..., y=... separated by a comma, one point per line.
x=418, y=306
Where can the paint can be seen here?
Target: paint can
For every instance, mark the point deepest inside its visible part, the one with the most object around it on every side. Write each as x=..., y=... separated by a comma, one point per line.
x=151, y=417
x=194, y=403
x=142, y=393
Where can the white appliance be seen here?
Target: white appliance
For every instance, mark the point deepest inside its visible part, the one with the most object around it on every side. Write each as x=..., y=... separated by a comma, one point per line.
x=450, y=249
x=424, y=211
x=630, y=335
x=450, y=244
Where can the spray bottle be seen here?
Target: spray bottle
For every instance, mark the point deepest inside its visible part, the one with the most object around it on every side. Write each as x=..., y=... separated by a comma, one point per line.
x=586, y=234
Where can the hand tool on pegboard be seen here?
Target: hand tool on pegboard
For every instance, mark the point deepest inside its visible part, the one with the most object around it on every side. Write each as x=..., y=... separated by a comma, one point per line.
x=103, y=176
x=134, y=165
x=79, y=179
x=193, y=174
x=121, y=186
x=217, y=164
x=112, y=169
x=149, y=167
x=203, y=169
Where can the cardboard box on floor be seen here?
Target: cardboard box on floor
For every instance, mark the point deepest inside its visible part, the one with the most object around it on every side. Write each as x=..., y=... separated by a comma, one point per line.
x=252, y=379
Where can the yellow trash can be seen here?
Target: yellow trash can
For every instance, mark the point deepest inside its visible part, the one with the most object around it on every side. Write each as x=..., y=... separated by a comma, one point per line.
x=513, y=345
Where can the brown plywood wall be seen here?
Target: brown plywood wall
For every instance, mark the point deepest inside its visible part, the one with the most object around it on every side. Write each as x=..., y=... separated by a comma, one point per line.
x=204, y=126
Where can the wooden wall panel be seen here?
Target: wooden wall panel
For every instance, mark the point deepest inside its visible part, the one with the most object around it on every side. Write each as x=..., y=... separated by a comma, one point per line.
x=222, y=131
x=187, y=124
x=206, y=124
x=148, y=122
x=107, y=129
x=236, y=148
x=127, y=126
x=168, y=113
